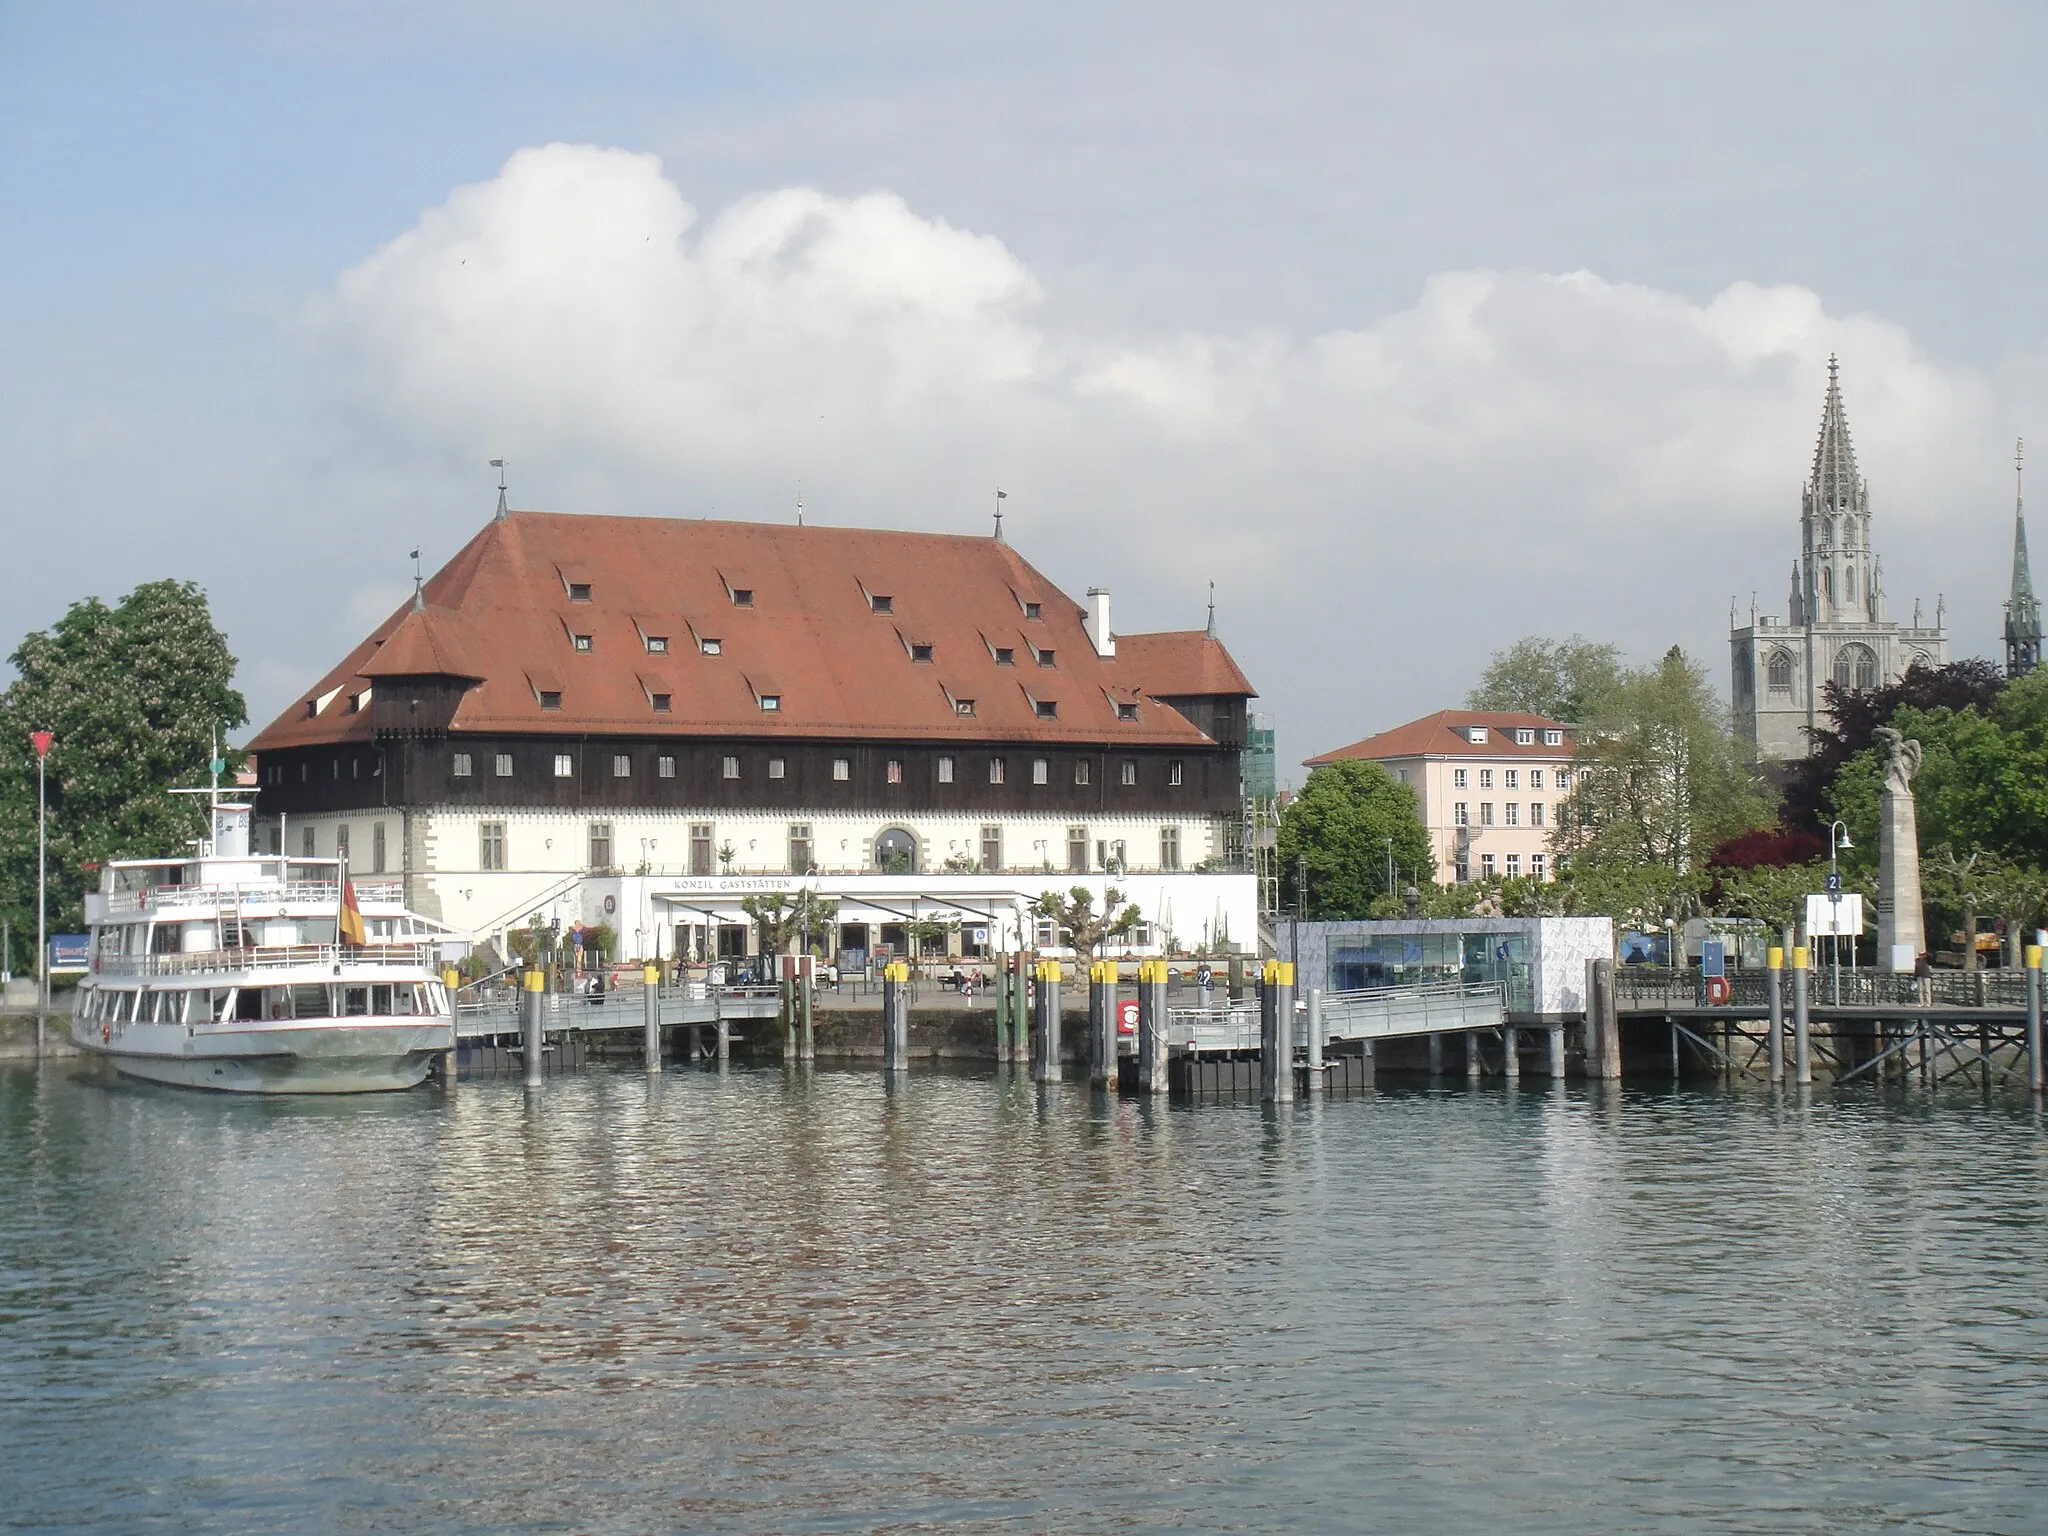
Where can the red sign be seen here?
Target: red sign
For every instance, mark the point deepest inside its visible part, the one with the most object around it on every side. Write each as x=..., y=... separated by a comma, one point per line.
x=41, y=740
x=1127, y=1016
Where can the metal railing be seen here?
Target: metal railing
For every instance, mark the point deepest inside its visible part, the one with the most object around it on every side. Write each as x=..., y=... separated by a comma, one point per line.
x=620, y=1008
x=265, y=958
x=1646, y=986
x=1384, y=1012
x=185, y=898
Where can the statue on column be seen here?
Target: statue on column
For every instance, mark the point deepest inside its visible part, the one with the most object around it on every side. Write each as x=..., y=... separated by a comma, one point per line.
x=1901, y=931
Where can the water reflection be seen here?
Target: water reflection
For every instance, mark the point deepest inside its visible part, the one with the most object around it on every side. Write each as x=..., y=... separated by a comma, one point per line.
x=823, y=1300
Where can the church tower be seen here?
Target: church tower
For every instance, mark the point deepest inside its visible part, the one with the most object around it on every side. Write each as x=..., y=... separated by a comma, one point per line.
x=2022, y=610
x=1836, y=628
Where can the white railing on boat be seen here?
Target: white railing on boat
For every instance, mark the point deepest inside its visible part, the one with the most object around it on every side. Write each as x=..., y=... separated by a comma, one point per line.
x=266, y=957
x=185, y=898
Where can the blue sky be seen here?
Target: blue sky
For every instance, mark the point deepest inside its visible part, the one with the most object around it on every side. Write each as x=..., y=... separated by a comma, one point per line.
x=1417, y=329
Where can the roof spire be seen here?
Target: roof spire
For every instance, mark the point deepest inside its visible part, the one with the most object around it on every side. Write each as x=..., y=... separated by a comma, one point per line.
x=499, y=466
x=1001, y=497
x=2022, y=608
x=1835, y=483
x=419, y=595
x=1212, y=610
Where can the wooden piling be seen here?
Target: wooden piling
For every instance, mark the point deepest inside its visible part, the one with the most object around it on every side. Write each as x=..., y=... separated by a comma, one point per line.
x=1802, y=1045
x=1603, y=1055
x=531, y=1001
x=650, y=1017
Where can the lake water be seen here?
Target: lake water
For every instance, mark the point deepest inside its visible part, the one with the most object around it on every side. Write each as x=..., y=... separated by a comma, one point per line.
x=753, y=1303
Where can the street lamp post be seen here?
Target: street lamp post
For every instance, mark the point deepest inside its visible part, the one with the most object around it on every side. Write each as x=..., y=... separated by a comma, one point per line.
x=41, y=740
x=1390, y=864
x=1836, y=842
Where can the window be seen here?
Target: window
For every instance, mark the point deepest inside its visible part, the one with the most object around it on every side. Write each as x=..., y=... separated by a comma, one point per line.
x=462, y=765
x=1535, y=778
x=1127, y=712
x=743, y=597
x=1461, y=871
x=377, y=849
x=1514, y=866
x=1564, y=778
x=550, y=698
x=995, y=770
x=490, y=850
x=1856, y=668
x=1127, y=773
x=1486, y=778
x=622, y=765
x=1045, y=657
x=799, y=847
x=1537, y=869
x=1046, y=709
x=778, y=768
x=1006, y=655
x=582, y=642
x=663, y=703
x=700, y=848
x=1511, y=779
x=991, y=850
x=1553, y=738
x=657, y=645
x=665, y=767
x=503, y=766
x=710, y=645
x=945, y=770
x=306, y=842
x=579, y=591
x=729, y=768
x=1778, y=671
x=565, y=766
x=336, y=766
x=1169, y=847
x=1461, y=814
x=920, y=653
x=1031, y=610
x=842, y=769
x=600, y=845
x=1524, y=737
x=771, y=702
x=1082, y=770
x=1486, y=813
x=1173, y=771
x=1038, y=770
x=1535, y=813
x=1511, y=814
x=1486, y=866
x=1077, y=850
x=963, y=706
x=341, y=841
x=1476, y=734
x=1457, y=778
x=880, y=604
x=894, y=772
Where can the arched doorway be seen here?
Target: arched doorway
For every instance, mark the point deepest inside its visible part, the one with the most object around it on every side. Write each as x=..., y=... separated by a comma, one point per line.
x=896, y=852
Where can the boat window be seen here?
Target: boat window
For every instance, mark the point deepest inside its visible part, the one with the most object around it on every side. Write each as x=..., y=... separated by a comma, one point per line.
x=309, y=1001
x=355, y=1002
x=380, y=999
x=222, y=997
x=251, y=1004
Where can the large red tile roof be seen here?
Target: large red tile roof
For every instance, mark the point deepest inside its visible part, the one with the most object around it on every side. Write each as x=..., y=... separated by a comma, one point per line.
x=1443, y=735
x=814, y=635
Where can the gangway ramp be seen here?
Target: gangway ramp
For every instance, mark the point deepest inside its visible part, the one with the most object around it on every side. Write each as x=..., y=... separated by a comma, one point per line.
x=1377, y=1013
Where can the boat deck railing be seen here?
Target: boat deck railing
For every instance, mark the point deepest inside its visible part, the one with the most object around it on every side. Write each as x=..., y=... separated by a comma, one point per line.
x=260, y=893
x=267, y=957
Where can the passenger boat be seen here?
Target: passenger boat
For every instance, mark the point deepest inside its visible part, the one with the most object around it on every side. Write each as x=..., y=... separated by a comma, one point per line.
x=260, y=974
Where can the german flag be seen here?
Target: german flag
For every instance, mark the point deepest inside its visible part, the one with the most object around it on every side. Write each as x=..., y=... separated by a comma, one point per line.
x=351, y=915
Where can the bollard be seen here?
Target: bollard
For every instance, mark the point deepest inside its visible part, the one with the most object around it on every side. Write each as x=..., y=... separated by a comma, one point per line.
x=1775, y=976
x=896, y=1017
x=1315, y=1034
x=718, y=1024
x=1045, y=1066
x=1604, y=1037
x=1802, y=1057
x=1556, y=1033
x=531, y=1001
x=1276, y=1033
x=2034, y=1076
x=1102, y=1023
x=1152, y=1058
x=650, y=1017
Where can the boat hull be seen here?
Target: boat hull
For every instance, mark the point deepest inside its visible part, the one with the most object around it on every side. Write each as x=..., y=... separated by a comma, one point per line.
x=332, y=1059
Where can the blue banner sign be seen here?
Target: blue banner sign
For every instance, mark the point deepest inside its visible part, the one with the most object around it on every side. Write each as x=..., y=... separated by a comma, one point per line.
x=70, y=953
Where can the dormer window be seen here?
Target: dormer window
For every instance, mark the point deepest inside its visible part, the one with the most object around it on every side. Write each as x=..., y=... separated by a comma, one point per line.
x=582, y=642
x=312, y=708
x=1127, y=712
x=771, y=703
x=743, y=597
x=1524, y=737
x=664, y=703
x=711, y=647
x=1553, y=738
x=1031, y=610
x=920, y=653
x=550, y=698
x=1045, y=657
x=1047, y=709
x=1006, y=656
x=877, y=603
x=1476, y=734
x=657, y=645
x=579, y=591
x=963, y=707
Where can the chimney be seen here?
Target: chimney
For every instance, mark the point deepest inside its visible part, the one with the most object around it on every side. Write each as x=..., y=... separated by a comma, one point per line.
x=1095, y=619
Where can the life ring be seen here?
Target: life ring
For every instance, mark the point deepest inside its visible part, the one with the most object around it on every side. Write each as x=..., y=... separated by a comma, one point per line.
x=106, y=1034
x=1718, y=990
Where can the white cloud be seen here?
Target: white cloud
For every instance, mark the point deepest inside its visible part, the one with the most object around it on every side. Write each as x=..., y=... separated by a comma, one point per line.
x=1513, y=452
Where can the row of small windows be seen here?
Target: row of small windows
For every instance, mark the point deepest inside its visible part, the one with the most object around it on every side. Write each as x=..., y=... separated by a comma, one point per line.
x=463, y=765
x=1525, y=736
x=1511, y=813
x=1539, y=868
x=1510, y=778
x=1855, y=669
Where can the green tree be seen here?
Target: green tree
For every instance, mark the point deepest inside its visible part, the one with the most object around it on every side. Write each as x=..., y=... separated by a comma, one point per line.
x=785, y=918
x=1085, y=929
x=1339, y=829
x=1558, y=679
x=134, y=695
x=1659, y=778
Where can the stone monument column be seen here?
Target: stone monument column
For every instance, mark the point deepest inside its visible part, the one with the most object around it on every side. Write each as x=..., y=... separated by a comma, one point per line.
x=1900, y=925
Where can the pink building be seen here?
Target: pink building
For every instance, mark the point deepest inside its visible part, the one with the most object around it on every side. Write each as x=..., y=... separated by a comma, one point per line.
x=1487, y=784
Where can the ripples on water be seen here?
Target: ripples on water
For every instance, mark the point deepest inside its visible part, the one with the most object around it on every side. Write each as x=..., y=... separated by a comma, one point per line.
x=759, y=1304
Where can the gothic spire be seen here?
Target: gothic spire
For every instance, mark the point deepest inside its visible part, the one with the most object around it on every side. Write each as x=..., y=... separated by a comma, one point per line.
x=2022, y=608
x=1834, y=460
